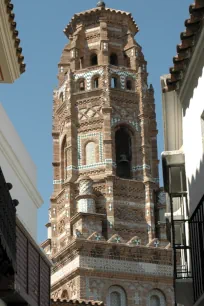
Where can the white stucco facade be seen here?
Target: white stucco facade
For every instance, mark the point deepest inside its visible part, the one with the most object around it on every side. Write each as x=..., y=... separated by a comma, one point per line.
x=20, y=171
x=183, y=121
x=193, y=144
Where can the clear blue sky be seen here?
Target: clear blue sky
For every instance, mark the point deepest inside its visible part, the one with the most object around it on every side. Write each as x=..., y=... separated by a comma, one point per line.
x=28, y=101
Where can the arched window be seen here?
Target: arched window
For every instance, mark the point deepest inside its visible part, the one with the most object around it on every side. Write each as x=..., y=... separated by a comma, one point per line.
x=64, y=159
x=116, y=296
x=96, y=82
x=94, y=59
x=155, y=301
x=115, y=299
x=64, y=295
x=127, y=60
x=81, y=85
x=114, y=82
x=90, y=153
x=128, y=84
x=61, y=97
x=123, y=147
x=114, y=59
x=81, y=62
x=156, y=298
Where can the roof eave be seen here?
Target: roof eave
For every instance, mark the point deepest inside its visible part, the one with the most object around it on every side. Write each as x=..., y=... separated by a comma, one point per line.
x=11, y=61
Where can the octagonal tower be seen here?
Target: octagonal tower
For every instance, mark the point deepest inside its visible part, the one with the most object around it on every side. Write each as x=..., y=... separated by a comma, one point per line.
x=106, y=233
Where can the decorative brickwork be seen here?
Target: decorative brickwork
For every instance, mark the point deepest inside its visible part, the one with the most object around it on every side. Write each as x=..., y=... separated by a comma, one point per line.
x=106, y=241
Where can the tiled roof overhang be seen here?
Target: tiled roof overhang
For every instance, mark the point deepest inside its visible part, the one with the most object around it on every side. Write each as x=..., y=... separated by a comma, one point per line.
x=66, y=302
x=185, y=49
x=101, y=10
x=12, y=22
x=11, y=58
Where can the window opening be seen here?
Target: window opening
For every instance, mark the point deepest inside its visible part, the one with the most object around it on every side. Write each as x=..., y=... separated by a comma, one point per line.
x=82, y=86
x=96, y=82
x=61, y=97
x=114, y=59
x=115, y=299
x=114, y=82
x=129, y=85
x=81, y=62
x=123, y=148
x=64, y=159
x=94, y=59
x=155, y=301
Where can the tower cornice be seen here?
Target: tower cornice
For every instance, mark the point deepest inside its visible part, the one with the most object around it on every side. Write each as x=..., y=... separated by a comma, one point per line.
x=100, y=12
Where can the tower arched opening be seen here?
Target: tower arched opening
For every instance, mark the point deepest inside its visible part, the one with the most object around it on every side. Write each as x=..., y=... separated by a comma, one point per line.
x=114, y=59
x=64, y=159
x=81, y=85
x=114, y=82
x=116, y=296
x=129, y=84
x=95, y=82
x=94, y=59
x=123, y=152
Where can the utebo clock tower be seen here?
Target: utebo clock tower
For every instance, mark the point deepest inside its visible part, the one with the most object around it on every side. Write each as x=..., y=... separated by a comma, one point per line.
x=106, y=234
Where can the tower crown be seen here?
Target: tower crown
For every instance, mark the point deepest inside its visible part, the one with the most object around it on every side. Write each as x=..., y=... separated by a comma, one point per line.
x=95, y=15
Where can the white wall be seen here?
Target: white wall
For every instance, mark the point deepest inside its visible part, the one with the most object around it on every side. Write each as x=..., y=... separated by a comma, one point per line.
x=19, y=169
x=192, y=142
x=172, y=119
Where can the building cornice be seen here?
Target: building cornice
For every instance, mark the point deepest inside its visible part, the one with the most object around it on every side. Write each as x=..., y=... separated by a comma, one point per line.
x=187, y=48
x=11, y=60
x=188, y=81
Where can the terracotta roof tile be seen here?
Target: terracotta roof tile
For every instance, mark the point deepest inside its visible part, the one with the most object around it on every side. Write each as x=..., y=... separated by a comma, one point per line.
x=11, y=17
x=185, y=49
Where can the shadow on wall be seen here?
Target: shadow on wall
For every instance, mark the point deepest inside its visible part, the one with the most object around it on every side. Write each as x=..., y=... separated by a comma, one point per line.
x=192, y=86
x=196, y=187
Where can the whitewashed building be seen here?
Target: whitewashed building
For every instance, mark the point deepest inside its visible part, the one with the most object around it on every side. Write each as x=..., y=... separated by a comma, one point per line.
x=183, y=158
x=21, y=172
x=24, y=268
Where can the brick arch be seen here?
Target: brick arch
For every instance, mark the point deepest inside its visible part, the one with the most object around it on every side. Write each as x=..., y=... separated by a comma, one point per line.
x=79, y=84
x=158, y=293
x=65, y=295
x=121, y=293
x=94, y=77
x=84, y=147
x=133, y=140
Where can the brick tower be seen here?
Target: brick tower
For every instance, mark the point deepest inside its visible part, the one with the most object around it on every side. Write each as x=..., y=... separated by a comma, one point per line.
x=106, y=234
